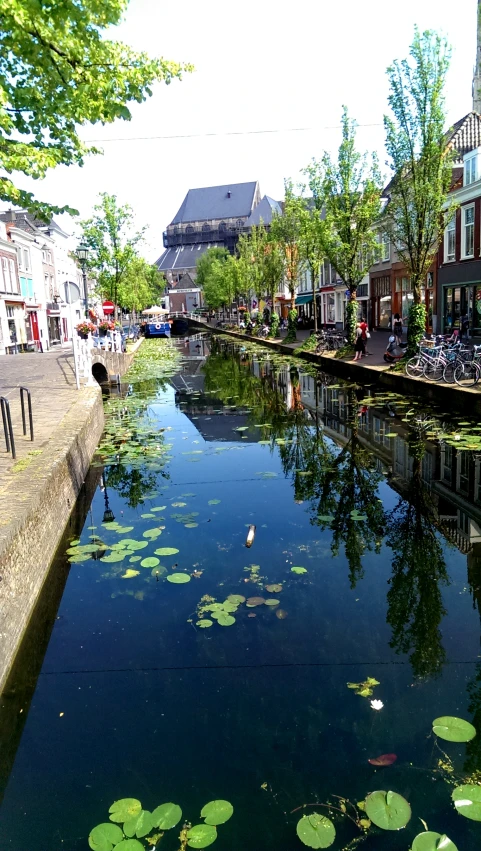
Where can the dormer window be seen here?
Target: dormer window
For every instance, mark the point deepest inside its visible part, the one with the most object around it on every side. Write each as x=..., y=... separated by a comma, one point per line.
x=471, y=167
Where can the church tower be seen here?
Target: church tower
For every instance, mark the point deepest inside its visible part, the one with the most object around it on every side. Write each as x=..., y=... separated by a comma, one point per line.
x=477, y=68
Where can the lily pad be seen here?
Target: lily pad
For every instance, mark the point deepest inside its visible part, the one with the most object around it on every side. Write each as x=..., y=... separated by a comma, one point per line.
x=274, y=589
x=166, y=816
x=453, y=729
x=217, y=812
x=204, y=623
x=105, y=836
x=213, y=502
x=316, y=831
x=135, y=558
x=159, y=570
x=430, y=841
x=147, y=516
x=159, y=508
x=272, y=602
x=178, y=578
x=116, y=555
x=140, y=825
x=467, y=800
x=166, y=551
x=225, y=619
x=388, y=810
x=129, y=845
x=129, y=573
x=152, y=533
x=125, y=809
x=201, y=835
x=255, y=601
x=298, y=570
x=131, y=544
x=190, y=525
x=150, y=561
x=236, y=598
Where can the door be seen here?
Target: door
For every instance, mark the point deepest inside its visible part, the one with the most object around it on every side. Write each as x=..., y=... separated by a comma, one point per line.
x=35, y=331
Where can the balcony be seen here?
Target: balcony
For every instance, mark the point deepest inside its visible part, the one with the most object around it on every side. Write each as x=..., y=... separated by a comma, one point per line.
x=195, y=236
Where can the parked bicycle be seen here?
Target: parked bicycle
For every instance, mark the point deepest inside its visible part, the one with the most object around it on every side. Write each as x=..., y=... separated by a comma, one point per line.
x=455, y=363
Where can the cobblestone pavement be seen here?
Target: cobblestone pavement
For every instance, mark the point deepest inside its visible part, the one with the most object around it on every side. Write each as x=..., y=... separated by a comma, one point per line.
x=50, y=377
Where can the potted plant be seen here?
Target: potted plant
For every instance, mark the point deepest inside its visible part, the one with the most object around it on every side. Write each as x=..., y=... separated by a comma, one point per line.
x=104, y=326
x=84, y=328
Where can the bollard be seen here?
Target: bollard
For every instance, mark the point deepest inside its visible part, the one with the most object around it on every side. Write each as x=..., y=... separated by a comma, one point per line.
x=30, y=415
x=7, y=426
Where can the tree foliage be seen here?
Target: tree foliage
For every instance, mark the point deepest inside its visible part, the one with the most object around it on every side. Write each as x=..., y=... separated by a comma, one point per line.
x=113, y=241
x=348, y=190
x=285, y=232
x=205, y=262
x=58, y=72
x=419, y=157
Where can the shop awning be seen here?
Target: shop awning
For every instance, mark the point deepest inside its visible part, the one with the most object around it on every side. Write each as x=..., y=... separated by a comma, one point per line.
x=303, y=299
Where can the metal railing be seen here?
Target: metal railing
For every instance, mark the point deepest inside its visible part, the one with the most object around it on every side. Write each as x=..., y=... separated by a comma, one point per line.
x=7, y=419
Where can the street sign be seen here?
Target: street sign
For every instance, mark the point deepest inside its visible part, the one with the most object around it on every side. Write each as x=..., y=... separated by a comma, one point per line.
x=347, y=293
x=108, y=307
x=71, y=292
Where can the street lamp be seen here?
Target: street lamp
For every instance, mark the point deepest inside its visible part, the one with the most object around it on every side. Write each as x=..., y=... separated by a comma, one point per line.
x=82, y=253
x=108, y=513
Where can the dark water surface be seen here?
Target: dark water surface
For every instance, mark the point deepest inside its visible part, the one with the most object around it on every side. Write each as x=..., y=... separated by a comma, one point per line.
x=134, y=700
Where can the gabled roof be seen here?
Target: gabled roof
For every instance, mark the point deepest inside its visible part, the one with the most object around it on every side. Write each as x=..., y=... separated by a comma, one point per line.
x=185, y=282
x=181, y=258
x=217, y=202
x=28, y=222
x=264, y=212
x=464, y=135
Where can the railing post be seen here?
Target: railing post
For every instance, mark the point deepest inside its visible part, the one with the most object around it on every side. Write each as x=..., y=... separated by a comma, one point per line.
x=7, y=426
x=30, y=415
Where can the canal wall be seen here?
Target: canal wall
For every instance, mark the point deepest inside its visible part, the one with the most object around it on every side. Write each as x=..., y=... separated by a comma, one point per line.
x=460, y=398
x=35, y=509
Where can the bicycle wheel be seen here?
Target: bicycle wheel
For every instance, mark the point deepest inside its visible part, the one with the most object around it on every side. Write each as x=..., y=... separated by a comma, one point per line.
x=433, y=370
x=448, y=374
x=467, y=374
x=414, y=367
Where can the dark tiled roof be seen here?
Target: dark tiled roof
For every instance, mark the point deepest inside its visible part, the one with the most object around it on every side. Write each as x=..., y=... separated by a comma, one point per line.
x=181, y=258
x=264, y=211
x=213, y=202
x=465, y=135
x=28, y=222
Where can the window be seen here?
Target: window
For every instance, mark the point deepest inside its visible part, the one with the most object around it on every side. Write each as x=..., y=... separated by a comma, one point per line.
x=4, y=278
x=13, y=283
x=26, y=258
x=44, y=256
x=468, y=231
x=450, y=240
x=50, y=257
x=385, y=247
x=20, y=258
x=470, y=170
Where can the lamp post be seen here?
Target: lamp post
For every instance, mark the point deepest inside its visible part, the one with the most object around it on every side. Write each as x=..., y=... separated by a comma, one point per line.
x=82, y=253
x=108, y=513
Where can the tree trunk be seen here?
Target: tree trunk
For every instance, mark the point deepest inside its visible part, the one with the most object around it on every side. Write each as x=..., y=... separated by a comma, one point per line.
x=314, y=302
x=351, y=317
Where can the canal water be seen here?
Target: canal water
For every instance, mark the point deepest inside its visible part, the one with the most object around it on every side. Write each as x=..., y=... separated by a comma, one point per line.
x=365, y=566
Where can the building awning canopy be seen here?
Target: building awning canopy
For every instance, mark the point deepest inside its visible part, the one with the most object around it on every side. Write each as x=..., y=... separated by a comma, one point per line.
x=303, y=299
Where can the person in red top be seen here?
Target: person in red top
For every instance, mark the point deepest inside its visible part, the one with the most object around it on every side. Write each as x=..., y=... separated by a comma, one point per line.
x=361, y=340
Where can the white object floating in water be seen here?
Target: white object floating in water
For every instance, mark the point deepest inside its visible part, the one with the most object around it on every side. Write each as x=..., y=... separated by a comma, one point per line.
x=250, y=536
x=377, y=704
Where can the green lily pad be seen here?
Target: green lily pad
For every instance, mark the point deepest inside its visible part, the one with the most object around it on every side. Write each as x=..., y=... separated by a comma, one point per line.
x=213, y=502
x=467, y=800
x=115, y=555
x=190, y=525
x=159, y=570
x=272, y=602
x=105, y=836
x=152, y=533
x=166, y=551
x=134, y=559
x=225, y=619
x=78, y=559
x=125, y=809
x=159, y=508
x=298, y=570
x=388, y=810
x=150, y=561
x=236, y=598
x=131, y=544
x=123, y=530
x=453, y=729
x=430, y=841
x=129, y=845
x=166, y=816
x=217, y=812
x=129, y=573
x=178, y=578
x=147, y=516
x=204, y=623
x=140, y=825
x=201, y=835
x=316, y=831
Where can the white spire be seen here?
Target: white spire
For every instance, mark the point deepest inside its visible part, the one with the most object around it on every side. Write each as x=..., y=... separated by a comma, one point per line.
x=477, y=67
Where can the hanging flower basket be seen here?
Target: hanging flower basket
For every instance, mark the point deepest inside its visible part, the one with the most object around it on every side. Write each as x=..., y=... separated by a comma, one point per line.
x=84, y=329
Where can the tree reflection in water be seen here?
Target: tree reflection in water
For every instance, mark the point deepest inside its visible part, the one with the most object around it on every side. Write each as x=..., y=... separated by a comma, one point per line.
x=415, y=605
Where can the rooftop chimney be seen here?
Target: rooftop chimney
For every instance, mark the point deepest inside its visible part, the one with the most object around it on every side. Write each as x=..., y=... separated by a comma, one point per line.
x=229, y=193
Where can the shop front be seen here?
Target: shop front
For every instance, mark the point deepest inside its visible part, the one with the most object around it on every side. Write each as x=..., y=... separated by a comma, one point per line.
x=17, y=336
x=304, y=307
x=460, y=287
x=327, y=312
x=381, y=301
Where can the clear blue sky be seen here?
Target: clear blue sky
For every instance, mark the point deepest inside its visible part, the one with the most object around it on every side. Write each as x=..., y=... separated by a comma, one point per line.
x=260, y=65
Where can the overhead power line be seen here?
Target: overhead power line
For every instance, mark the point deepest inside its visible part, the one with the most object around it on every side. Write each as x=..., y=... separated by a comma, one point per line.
x=227, y=133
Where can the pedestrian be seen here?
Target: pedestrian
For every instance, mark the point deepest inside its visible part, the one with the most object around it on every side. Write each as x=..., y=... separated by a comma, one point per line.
x=359, y=347
x=398, y=329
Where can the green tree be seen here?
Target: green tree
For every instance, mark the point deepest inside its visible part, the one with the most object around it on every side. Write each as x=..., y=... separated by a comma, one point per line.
x=421, y=164
x=285, y=232
x=348, y=190
x=58, y=72
x=312, y=236
x=252, y=249
x=111, y=236
x=141, y=286
x=205, y=262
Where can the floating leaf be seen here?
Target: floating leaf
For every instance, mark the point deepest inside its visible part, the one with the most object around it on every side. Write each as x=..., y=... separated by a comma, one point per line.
x=129, y=573
x=166, y=816
x=236, y=598
x=430, y=841
x=190, y=525
x=272, y=602
x=122, y=530
x=159, y=571
x=325, y=518
x=159, y=508
x=204, y=623
x=388, y=810
x=125, y=809
x=467, y=800
x=150, y=561
x=178, y=504
x=316, y=831
x=105, y=836
x=255, y=601
x=135, y=558
x=298, y=570
x=274, y=589
x=147, y=516
x=225, y=619
x=213, y=502
x=152, y=533
x=251, y=615
x=129, y=845
x=217, y=812
x=131, y=544
x=281, y=614
x=201, y=835
x=140, y=825
x=453, y=729
x=178, y=578
x=116, y=555
x=384, y=759
x=166, y=551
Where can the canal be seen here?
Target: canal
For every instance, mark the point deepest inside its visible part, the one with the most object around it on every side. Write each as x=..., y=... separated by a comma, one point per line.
x=171, y=663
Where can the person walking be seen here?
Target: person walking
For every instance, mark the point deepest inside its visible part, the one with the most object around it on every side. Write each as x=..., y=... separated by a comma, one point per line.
x=397, y=328
x=360, y=346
